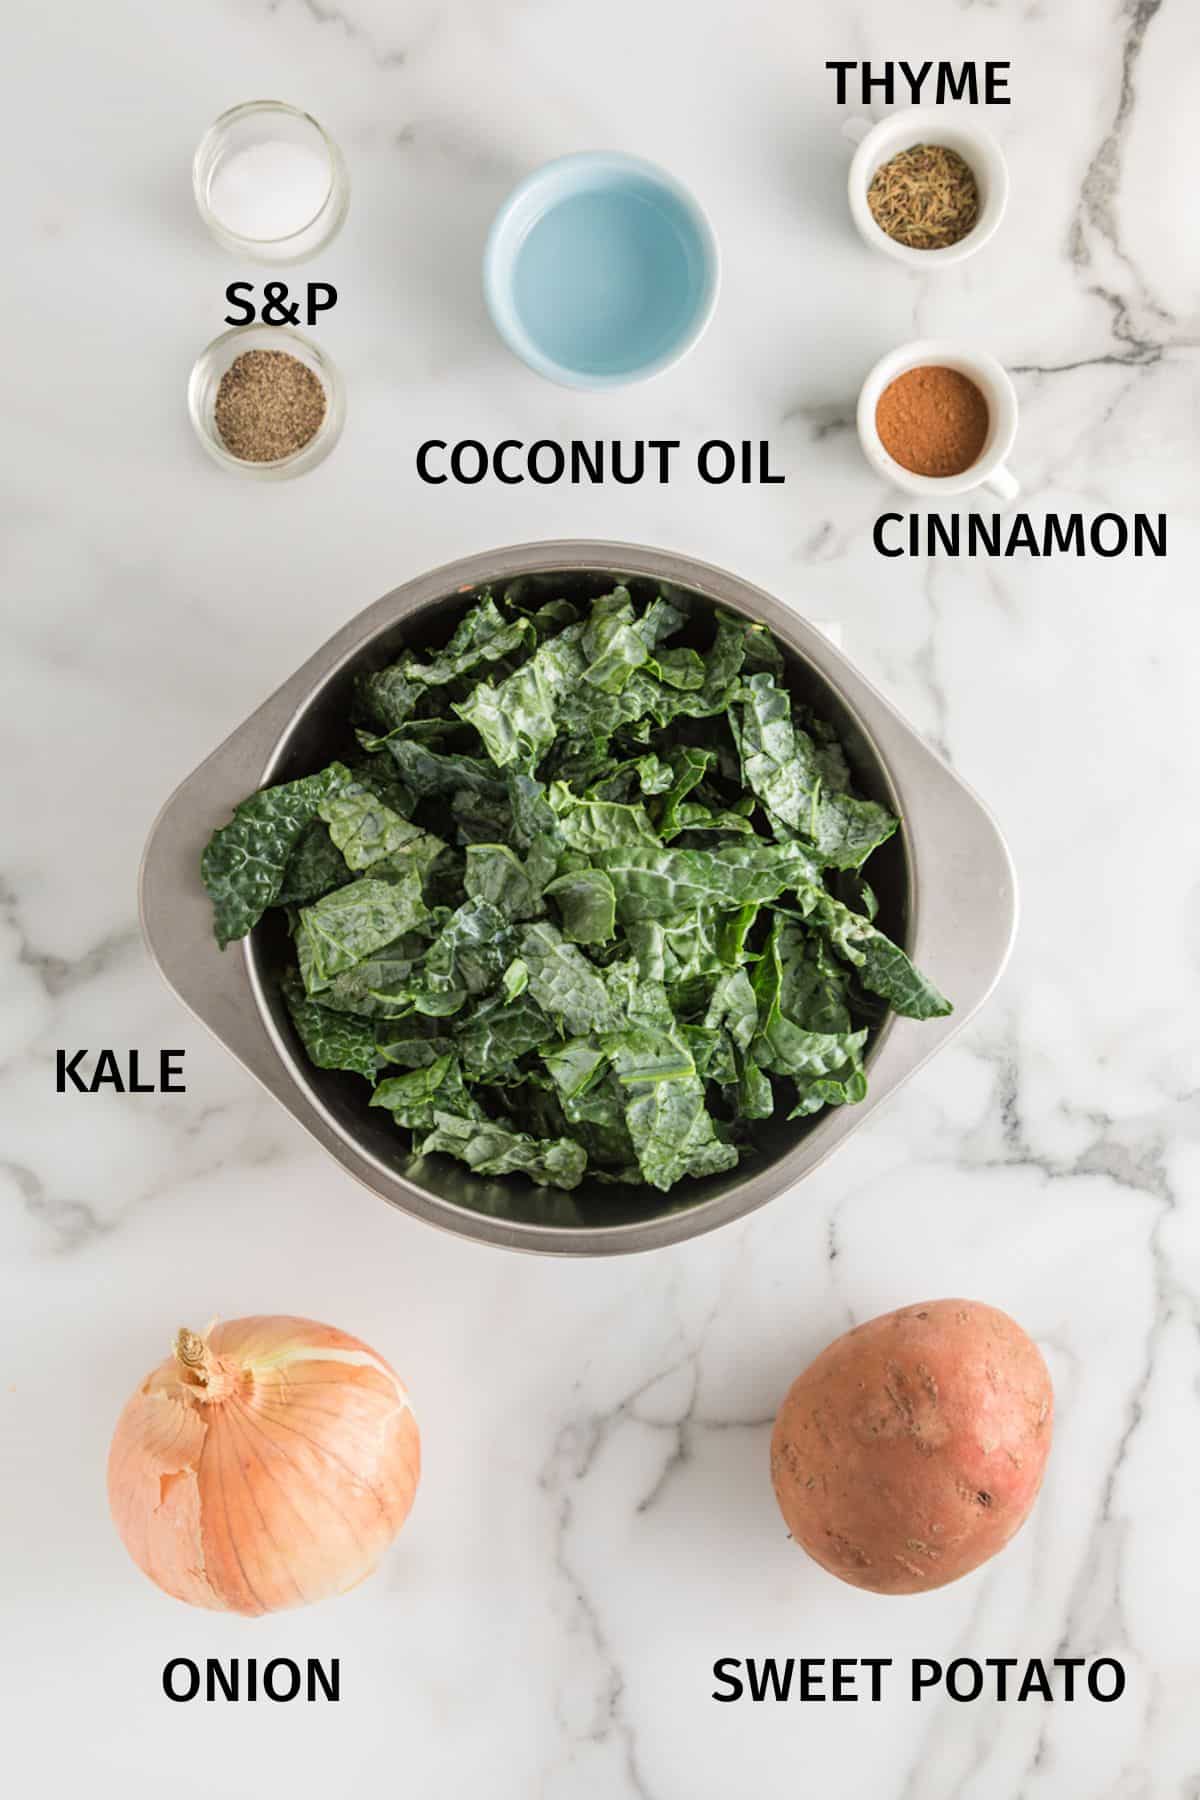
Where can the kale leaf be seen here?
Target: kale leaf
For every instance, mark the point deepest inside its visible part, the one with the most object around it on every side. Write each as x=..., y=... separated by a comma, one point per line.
x=672, y=1132
x=363, y=828
x=490, y=1149
x=331, y=1040
x=315, y=867
x=588, y=903
x=244, y=862
x=349, y=925
x=583, y=896
x=415, y=1099
x=781, y=765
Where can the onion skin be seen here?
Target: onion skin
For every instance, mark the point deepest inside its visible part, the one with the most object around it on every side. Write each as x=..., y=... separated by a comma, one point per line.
x=264, y=1465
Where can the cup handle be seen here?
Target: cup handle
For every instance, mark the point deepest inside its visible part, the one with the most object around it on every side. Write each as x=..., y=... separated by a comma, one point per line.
x=856, y=128
x=1003, y=484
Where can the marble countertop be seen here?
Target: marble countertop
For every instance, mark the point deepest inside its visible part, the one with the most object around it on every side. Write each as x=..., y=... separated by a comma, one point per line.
x=595, y=1525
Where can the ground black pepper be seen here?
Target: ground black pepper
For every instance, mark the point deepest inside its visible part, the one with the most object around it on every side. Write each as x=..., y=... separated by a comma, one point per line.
x=269, y=405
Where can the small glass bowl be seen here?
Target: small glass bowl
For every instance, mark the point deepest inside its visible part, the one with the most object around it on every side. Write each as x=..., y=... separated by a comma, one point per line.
x=205, y=379
x=252, y=123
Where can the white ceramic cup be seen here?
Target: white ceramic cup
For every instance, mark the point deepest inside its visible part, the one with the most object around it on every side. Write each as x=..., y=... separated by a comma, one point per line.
x=988, y=469
x=953, y=130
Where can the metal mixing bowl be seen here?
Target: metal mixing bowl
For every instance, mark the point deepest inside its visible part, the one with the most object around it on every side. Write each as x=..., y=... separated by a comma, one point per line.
x=945, y=884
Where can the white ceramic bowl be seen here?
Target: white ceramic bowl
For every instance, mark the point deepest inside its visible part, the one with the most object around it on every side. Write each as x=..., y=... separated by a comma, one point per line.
x=988, y=469
x=953, y=130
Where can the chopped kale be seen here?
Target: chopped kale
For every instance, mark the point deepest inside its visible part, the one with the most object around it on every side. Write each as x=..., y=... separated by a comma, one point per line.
x=578, y=900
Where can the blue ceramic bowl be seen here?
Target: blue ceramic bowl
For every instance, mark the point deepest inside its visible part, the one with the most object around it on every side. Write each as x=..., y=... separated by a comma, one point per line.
x=600, y=269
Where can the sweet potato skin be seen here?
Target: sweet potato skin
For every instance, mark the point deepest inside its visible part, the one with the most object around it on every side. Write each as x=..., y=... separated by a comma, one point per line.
x=913, y=1448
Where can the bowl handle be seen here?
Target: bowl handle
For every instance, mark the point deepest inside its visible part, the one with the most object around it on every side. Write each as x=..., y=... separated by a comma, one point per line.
x=856, y=128
x=1003, y=484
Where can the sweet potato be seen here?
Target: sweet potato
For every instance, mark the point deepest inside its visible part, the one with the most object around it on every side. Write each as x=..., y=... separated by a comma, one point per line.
x=913, y=1448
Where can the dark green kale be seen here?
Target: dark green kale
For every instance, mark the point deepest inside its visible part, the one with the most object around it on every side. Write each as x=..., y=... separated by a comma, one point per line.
x=315, y=867
x=781, y=765
x=414, y=1100
x=331, y=1040
x=352, y=923
x=490, y=1149
x=579, y=899
x=244, y=862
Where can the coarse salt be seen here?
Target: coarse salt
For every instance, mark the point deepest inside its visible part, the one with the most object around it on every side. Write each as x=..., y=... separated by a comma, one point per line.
x=269, y=190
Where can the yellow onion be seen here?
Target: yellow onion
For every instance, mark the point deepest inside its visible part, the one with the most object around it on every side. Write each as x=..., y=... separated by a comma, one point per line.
x=266, y=1463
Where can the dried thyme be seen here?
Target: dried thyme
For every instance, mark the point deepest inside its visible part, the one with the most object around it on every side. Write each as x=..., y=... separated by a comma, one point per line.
x=269, y=405
x=925, y=197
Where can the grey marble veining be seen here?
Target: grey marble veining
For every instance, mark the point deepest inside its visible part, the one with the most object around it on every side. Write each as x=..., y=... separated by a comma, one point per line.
x=595, y=1524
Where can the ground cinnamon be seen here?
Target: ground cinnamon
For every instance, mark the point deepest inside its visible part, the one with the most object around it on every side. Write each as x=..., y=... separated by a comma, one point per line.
x=932, y=421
